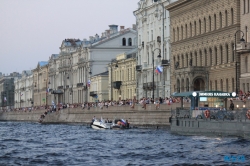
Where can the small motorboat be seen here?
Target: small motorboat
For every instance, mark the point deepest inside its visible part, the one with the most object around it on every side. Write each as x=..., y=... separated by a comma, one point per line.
x=120, y=124
x=100, y=124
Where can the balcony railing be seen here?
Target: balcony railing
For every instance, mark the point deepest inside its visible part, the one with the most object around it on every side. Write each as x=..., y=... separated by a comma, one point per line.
x=93, y=93
x=117, y=84
x=165, y=62
x=79, y=84
x=138, y=67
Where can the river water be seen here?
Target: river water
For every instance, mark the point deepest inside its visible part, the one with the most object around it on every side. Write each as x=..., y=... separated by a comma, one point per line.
x=35, y=144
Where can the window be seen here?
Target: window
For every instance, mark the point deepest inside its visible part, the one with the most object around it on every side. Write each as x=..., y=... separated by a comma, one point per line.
x=186, y=60
x=211, y=85
x=130, y=42
x=220, y=20
x=226, y=85
x=196, y=59
x=246, y=34
x=191, y=30
x=186, y=29
x=226, y=24
x=215, y=56
x=221, y=85
x=232, y=49
x=227, y=54
x=244, y=6
x=210, y=24
x=205, y=51
x=124, y=41
x=221, y=55
x=174, y=35
x=181, y=32
x=232, y=16
x=199, y=26
x=215, y=22
x=195, y=28
x=178, y=34
x=248, y=6
x=210, y=55
x=200, y=59
x=233, y=84
x=182, y=61
x=152, y=35
x=205, y=26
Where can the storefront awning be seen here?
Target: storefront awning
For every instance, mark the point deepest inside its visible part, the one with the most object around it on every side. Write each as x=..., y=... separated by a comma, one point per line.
x=220, y=94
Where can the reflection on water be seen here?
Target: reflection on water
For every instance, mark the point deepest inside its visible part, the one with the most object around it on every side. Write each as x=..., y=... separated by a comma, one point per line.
x=36, y=144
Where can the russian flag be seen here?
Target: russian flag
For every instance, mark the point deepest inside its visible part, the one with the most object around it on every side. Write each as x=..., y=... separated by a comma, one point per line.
x=159, y=69
x=89, y=83
x=47, y=90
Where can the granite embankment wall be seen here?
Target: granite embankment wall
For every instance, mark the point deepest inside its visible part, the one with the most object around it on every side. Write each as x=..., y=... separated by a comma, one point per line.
x=137, y=116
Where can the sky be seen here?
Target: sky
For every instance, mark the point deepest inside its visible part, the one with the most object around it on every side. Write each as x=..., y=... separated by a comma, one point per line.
x=32, y=30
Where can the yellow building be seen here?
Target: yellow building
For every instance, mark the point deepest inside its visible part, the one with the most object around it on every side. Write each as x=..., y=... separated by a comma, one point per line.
x=40, y=82
x=99, y=87
x=123, y=76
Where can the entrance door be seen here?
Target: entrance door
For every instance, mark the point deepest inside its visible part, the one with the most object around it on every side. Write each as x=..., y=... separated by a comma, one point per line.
x=199, y=84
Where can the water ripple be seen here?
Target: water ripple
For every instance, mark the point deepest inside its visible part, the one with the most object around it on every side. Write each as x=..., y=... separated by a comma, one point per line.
x=60, y=144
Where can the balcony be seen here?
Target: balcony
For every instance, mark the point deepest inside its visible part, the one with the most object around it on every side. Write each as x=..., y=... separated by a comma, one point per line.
x=243, y=47
x=79, y=84
x=165, y=62
x=60, y=87
x=138, y=67
x=93, y=93
x=117, y=84
x=145, y=86
x=150, y=86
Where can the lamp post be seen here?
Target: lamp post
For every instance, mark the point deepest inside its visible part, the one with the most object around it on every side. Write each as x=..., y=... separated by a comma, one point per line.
x=159, y=56
x=237, y=63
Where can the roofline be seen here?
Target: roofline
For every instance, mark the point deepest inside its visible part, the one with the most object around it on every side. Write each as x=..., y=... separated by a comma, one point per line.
x=176, y=4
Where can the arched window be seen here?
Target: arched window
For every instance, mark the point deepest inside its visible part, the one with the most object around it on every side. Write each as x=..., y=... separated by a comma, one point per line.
x=244, y=6
x=199, y=26
x=215, y=22
x=205, y=25
x=182, y=61
x=130, y=42
x=210, y=24
x=232, y=16
x=226, y=18
x=191, y=30
x=187, y=85
x=221, y=55
x=215, y=56
x=220, y=20
x=124, y=41
x=210, y=56
x=195, y=28
x=227, y=59
x=174, y=35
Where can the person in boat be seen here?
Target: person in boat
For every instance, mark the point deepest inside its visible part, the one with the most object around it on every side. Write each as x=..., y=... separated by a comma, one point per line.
x=93, y=119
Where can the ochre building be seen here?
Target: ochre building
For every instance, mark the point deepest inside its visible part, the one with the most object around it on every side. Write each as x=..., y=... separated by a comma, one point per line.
x=202, y=44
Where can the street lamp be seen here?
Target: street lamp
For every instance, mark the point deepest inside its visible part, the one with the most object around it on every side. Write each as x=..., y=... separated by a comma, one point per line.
x=159, y=56
x=236, y=59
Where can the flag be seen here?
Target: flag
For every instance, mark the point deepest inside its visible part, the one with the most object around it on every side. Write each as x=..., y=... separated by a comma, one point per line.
x=47, y=90
x=159, y=69
x=88, y=83
x=5, y=99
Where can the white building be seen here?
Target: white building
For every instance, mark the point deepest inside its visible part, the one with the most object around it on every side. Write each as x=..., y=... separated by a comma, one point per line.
x=24, y=90
x=96, y=54
x=153, y=38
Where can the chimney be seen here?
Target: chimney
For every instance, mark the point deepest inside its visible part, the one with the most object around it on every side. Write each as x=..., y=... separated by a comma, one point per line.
x=113, y=28
x=122, y=28
x=107, y=33
x=134, y=27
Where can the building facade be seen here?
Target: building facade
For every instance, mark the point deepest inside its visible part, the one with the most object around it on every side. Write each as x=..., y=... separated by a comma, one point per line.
x=153, y=38
x=243, y=49
x=98, y=86
x=7, y=90
x=122, y=77
x=40, y=83
x=202, y=44
x=24, y=90
x=97, y=53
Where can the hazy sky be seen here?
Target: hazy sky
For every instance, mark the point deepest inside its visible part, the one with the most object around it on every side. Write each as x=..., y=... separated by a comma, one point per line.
x=32, y=30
